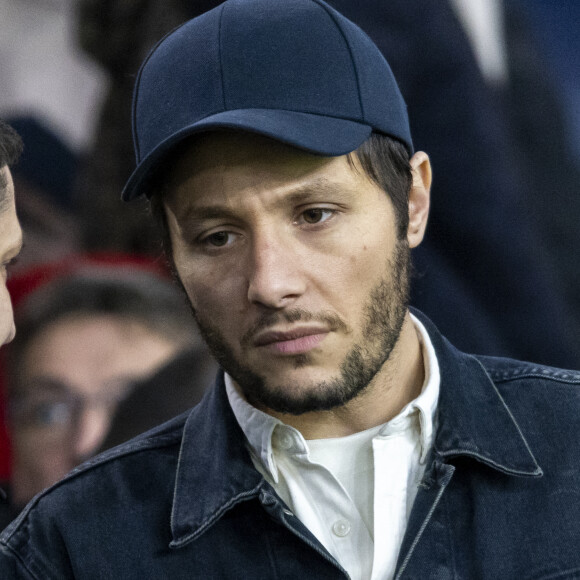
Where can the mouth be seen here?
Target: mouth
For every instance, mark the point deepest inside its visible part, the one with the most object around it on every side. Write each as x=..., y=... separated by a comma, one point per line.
x=296, y=341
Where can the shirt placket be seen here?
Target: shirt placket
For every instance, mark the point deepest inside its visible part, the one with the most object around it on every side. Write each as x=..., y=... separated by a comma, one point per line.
x=394, y=455
x=319, y=498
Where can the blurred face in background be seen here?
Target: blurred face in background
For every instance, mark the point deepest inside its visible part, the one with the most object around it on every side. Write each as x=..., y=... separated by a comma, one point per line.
x=10, y=245
x=73, y=373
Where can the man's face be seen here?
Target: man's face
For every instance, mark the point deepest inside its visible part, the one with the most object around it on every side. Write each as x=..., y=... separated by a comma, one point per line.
x=72, y=375
x=10, y=245
x=292, y=266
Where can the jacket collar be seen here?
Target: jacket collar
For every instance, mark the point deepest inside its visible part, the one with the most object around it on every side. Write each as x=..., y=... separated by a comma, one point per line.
x=214, y=469
x=472, y=420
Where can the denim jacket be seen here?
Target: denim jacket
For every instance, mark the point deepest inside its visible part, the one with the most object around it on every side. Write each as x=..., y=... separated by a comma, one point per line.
x=500, y=498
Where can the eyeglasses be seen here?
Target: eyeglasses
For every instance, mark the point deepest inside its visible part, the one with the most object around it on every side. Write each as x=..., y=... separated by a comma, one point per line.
x=50, y=408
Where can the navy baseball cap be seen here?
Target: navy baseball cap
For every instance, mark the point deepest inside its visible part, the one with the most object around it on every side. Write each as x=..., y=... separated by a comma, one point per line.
x=293, y=70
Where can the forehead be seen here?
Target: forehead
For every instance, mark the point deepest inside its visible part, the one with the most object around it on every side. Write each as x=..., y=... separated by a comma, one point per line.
x=92, y=353
x=236, y=159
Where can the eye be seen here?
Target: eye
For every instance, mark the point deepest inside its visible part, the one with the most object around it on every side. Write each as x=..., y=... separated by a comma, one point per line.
x=214, y=239
x=316, y=215
x=39, y=414
x=56, y=413
x=218, y=239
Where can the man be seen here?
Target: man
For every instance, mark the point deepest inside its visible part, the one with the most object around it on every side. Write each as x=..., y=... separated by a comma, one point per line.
x=86, y=340
x=11, y=235
x=347, y=438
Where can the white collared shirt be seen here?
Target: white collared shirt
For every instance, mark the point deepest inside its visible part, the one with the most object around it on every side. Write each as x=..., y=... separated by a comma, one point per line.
x=353, y=493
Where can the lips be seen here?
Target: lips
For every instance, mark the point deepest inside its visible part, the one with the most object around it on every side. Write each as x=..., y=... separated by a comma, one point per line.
x=296, y=341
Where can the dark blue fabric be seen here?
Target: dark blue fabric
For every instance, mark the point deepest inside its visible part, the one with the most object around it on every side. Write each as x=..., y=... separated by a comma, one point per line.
x=500, y=497
x=46, y=162
x=254, y=65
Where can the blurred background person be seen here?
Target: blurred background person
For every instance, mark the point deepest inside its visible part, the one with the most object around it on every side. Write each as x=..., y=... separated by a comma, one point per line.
x=85, y=340
x=117, y=35
x=173, y=389
x=498, y=264
x=45, y=178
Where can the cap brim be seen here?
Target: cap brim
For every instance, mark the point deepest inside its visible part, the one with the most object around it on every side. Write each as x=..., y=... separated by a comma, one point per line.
x=319, y=134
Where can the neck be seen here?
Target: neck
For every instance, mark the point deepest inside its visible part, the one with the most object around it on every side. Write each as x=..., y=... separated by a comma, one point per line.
x=397, y=383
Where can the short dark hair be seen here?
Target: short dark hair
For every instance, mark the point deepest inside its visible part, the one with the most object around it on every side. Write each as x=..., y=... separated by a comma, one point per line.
x=384, y=159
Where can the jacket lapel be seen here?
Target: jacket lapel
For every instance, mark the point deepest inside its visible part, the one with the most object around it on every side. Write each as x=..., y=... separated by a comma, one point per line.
x=214, y=471
x=472, y=421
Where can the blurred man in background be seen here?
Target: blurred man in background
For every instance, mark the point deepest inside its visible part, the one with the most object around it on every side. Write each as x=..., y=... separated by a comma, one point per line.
x=85, y=340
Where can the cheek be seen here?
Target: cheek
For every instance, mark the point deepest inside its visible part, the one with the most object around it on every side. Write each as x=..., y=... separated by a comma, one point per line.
x=216, y=296
x=353, y=266
x=351, y=280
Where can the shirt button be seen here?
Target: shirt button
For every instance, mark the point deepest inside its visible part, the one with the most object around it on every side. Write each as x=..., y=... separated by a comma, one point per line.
x=285, y=441
x=341, y=528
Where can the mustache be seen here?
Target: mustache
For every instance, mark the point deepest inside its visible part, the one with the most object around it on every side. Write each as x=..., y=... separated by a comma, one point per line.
x=269, y=319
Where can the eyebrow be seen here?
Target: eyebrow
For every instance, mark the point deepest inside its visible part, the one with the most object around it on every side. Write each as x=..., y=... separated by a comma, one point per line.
x=299, y=195
x=317, y=187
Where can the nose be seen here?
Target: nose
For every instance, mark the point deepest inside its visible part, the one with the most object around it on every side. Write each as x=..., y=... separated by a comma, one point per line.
x=93, y=425
x=276, y=278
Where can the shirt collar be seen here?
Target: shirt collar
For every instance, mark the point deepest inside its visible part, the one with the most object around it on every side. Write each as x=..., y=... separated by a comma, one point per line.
x=426, y=402
x=259, y=427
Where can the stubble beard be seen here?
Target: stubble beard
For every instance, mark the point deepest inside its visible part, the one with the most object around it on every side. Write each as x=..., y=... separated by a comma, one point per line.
x=384, y=314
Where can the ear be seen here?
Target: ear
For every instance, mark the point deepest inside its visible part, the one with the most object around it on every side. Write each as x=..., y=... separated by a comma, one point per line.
x=419, y=198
